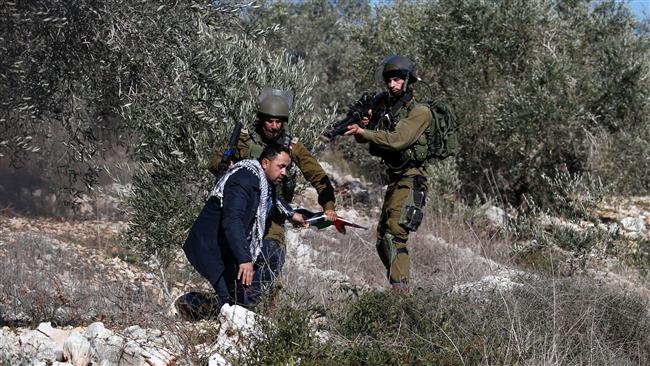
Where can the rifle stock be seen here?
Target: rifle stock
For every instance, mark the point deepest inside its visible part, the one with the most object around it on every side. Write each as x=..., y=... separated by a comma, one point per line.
x=229, y=153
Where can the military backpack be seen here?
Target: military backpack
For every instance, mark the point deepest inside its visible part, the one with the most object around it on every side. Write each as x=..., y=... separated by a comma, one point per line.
x=442, y=133
x=439, y=140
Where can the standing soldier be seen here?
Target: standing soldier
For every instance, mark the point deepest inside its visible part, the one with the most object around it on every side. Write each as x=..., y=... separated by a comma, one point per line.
x=399, y=140
x=272, y=115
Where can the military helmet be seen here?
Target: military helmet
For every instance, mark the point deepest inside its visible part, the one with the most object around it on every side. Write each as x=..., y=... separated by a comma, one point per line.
x=395, y=65
x=275, y=103
x=274, y=106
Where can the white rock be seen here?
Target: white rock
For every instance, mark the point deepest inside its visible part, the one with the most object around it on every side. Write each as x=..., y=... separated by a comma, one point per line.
x=635, y=224
x=97, y=330
x=138, y=346
x=54, y=334
x=110, y=349
x=238, y=319
x=76, y=350
x=155, y=345
x=136, y=332
x=5, y=345
x=39, y=346
x=131, y=354
x=217, y=360
x=157, y=356
x=496, y=215
x=323, y=336
x=499, y=282
x=238, y=328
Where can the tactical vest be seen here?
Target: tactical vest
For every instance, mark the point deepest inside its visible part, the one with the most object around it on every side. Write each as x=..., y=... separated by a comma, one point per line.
x=255, y=147
x=414, y=155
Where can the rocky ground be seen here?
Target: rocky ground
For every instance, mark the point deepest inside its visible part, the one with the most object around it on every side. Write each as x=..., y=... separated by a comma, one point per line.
x=103, y=309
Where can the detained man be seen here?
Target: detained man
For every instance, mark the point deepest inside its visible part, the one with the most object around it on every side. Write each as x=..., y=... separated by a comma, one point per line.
x=227, y=237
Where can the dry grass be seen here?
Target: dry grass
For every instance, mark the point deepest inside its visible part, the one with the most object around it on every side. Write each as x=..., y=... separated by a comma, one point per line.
x=446, y=250
x=44, y=280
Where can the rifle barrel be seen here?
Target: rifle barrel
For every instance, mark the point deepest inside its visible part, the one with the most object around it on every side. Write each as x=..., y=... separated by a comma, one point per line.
x=341, y=126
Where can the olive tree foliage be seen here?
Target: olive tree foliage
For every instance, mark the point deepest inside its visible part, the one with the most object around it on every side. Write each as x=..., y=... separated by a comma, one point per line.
x=56, y=91
x=541, y=88
x=560, y=80
x=319, y=32
x=185, y=80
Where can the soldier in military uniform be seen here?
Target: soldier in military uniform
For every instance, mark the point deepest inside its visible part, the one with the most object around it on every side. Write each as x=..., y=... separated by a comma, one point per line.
x=272, y=115
x=399, y=140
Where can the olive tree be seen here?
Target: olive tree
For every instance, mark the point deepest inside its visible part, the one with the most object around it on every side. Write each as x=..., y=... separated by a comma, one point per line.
x=185, y=79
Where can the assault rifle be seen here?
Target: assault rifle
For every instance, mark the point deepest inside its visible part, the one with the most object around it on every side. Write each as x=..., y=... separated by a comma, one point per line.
x=356, y=112
x=229, y=153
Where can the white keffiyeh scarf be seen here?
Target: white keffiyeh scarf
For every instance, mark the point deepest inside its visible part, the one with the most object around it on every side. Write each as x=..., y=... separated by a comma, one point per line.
x=256, y=235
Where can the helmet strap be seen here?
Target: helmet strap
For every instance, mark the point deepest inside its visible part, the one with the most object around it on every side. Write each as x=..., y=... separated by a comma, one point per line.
x=406, y=83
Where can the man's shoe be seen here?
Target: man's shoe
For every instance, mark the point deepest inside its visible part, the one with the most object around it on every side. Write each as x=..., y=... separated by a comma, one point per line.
x=194, y=306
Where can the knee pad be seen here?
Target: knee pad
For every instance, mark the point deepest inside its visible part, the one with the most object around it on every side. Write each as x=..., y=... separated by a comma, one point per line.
x=386, y=250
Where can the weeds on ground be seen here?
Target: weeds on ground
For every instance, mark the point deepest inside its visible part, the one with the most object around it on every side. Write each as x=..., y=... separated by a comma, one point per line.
x=543, y=245
x=541, y=320
x=444, y=185
x=638, y=255
x=286, y=338
x=575, y=196
x=567, y=231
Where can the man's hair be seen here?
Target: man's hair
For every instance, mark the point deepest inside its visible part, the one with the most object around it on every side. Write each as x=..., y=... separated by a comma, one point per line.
x=273, y=150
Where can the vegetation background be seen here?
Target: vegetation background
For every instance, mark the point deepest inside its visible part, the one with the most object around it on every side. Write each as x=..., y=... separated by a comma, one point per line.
x=553, y=97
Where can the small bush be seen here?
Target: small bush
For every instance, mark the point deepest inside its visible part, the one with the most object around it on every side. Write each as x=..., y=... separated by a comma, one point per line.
x=444, y=185
x=575, y=196
x=287, y=339
x=638, y=255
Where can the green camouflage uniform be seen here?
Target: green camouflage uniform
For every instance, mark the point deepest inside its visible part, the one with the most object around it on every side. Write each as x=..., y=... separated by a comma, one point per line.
x=401, y=143
x=250, y=146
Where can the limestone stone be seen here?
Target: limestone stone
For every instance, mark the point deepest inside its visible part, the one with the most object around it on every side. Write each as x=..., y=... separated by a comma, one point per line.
x=76, y=350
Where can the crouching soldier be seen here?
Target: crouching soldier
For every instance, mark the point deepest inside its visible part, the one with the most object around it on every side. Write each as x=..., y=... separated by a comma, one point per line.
x=272, y=116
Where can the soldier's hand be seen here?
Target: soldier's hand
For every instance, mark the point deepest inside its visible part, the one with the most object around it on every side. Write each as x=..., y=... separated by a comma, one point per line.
x=354, y=130
x=299, y=220
x=331, y=215
x=365, y=120
x=245, y=274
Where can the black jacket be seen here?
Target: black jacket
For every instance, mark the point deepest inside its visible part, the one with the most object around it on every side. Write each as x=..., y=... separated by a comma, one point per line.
x=218, y=239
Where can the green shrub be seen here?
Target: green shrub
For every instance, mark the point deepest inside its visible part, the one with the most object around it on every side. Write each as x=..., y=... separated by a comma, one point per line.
x=575, y=196
x=623, y=161
x=287, y=339
x=637, y=254
x=565, y=317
